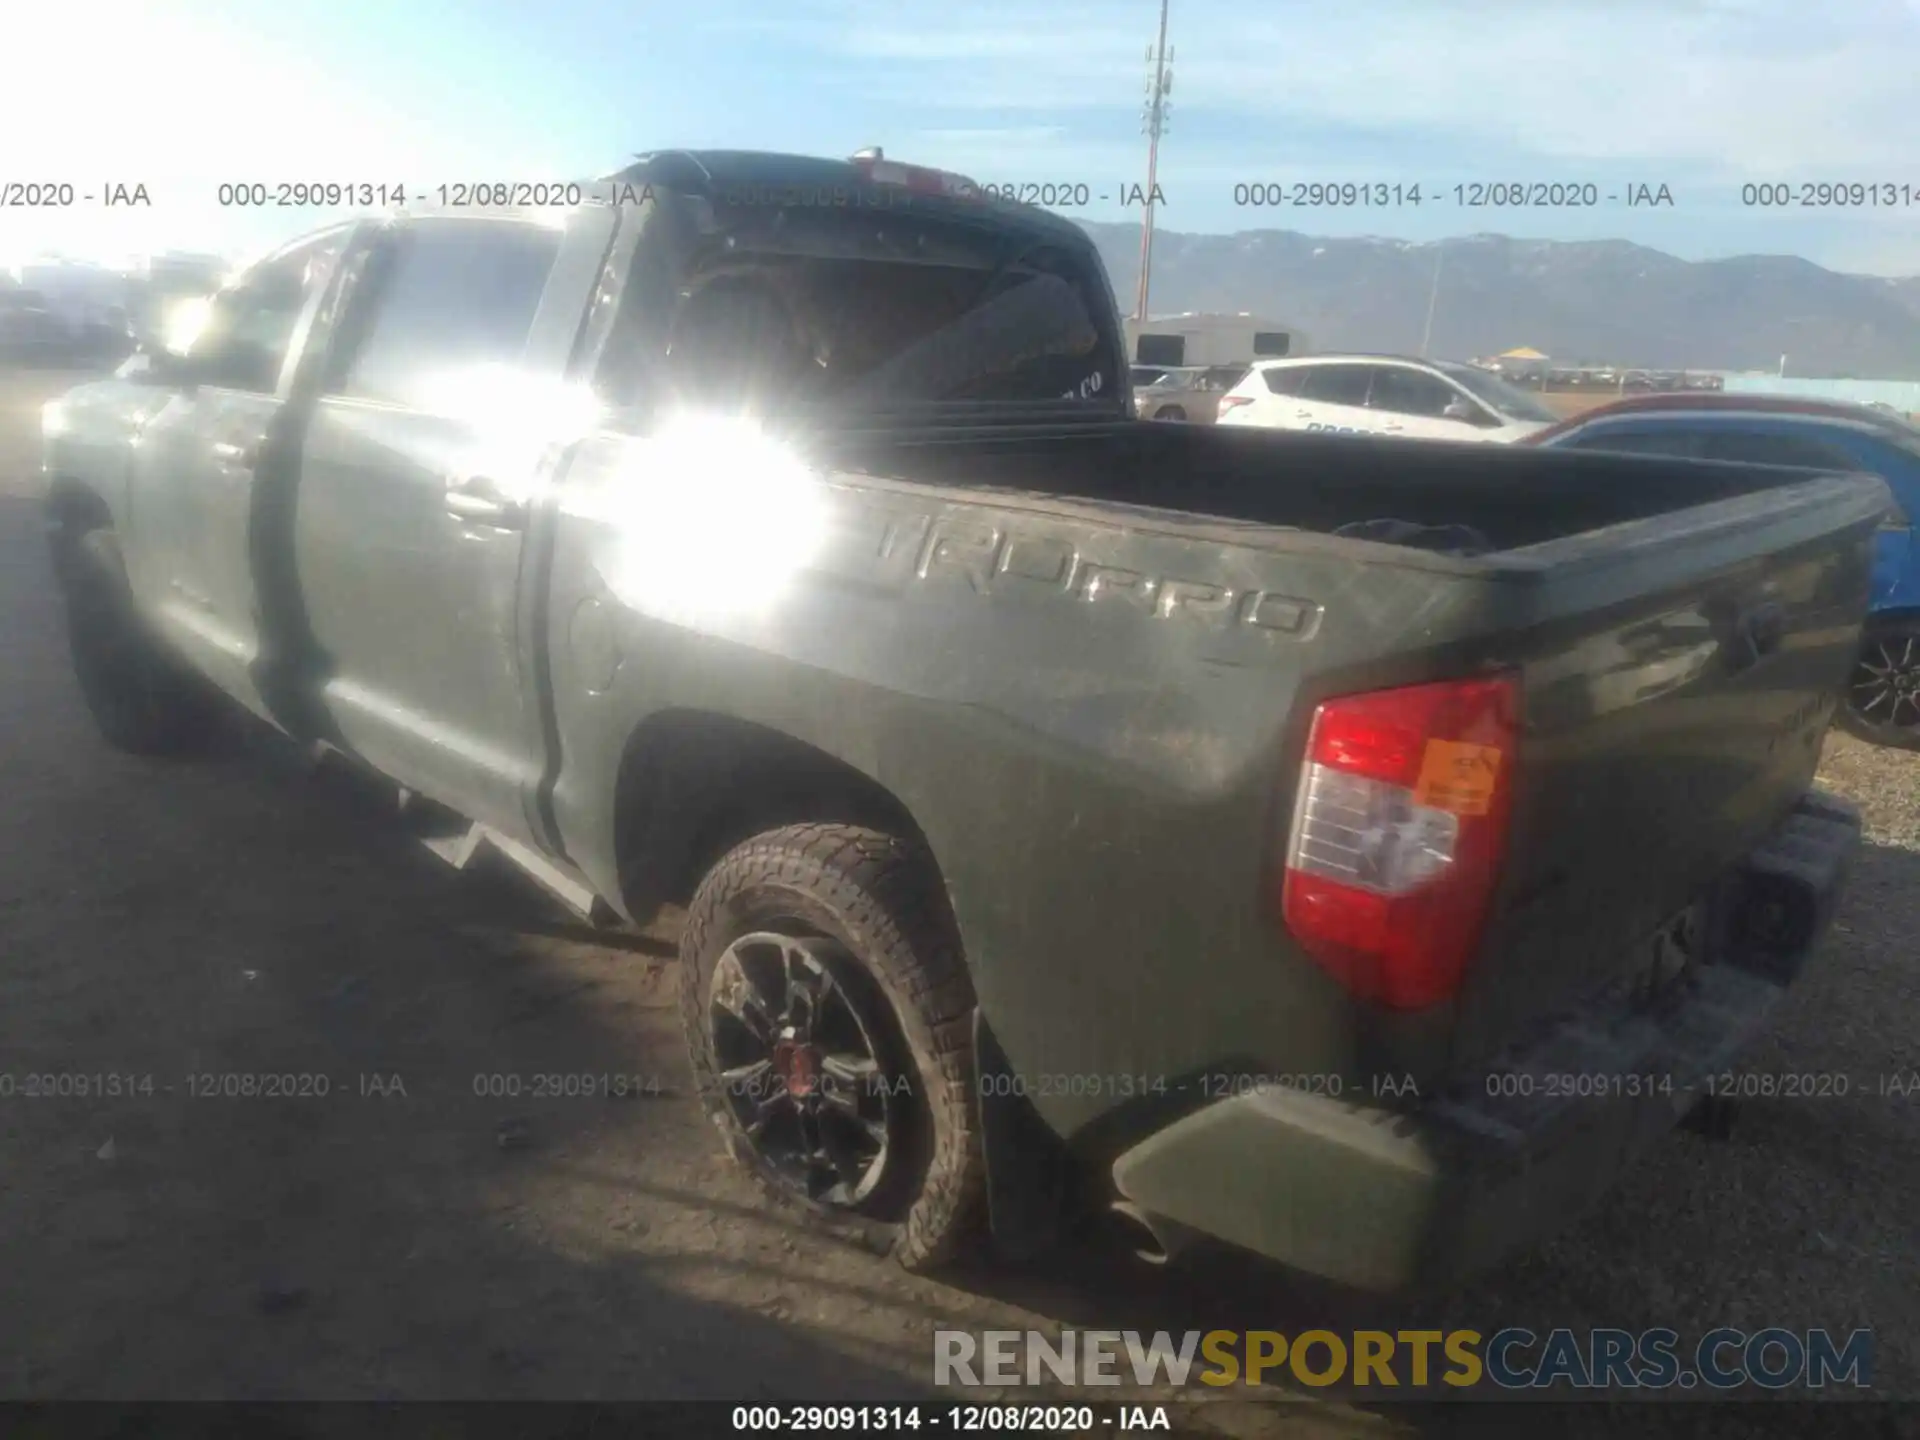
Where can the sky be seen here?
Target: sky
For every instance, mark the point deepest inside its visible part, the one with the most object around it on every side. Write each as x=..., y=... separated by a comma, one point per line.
x=1701, y=96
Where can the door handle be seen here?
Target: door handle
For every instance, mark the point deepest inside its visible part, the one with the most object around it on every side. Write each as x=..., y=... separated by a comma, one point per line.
x=479, y=501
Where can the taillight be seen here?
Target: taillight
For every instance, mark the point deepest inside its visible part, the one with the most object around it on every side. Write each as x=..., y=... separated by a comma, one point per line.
x=1398, y=835
x=1233, y=402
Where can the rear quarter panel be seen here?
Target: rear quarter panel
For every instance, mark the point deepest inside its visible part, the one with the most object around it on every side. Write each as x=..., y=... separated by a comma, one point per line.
x=1092, y=716
x=1096, y=716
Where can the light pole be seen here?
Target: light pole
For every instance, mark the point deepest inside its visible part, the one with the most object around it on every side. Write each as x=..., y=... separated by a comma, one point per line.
x=1159, y=82
x=1433, y=297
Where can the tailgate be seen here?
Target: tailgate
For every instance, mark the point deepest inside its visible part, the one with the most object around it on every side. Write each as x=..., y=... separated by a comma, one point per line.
x=1677, y=689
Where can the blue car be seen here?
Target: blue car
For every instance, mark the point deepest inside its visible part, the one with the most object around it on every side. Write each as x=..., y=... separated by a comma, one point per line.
x=1883, y=699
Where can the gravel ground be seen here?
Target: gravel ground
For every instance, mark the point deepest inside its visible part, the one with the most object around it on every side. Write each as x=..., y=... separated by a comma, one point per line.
x=177, y=921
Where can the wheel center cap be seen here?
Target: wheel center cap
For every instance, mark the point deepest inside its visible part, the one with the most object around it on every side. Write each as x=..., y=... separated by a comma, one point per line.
x=798, y=1066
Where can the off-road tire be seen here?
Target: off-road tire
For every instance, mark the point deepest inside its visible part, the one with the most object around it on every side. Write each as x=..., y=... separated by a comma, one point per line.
x=881, y=898
x=142, y=700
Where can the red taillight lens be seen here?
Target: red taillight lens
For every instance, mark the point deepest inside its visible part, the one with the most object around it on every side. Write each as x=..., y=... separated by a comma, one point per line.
x=1398, y=835
x=1233, y=402
x=920, y=179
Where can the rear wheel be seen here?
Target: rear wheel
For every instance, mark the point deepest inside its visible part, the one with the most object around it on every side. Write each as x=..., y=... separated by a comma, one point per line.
x=142, y=700
x=1883, y=695
x=828, y=1014
x=1170, y=412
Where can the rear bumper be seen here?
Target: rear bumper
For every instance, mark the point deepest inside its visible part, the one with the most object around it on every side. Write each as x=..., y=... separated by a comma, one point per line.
x=1389, y=1200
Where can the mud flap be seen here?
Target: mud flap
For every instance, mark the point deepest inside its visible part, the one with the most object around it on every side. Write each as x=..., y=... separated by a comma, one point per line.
x=1028, y=1169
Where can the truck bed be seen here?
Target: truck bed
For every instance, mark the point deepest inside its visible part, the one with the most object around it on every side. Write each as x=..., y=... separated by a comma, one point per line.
x=1681, y=630
x=1515, y=496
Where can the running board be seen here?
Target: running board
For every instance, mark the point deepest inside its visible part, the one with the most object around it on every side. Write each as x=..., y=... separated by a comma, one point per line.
x=460, y=851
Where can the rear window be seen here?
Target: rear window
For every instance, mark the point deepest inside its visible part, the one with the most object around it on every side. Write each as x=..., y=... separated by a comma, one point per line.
x=791, y=308
x=1285, y=379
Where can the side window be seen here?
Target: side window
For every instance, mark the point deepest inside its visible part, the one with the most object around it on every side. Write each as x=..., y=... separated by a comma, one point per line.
x=1272, y=344
x=1338, y=384
x=448, y=294
x=1285, y=379
x=1168, y=350
x=1410, y=392
x=1680, y=444
x=249, y=327
x=1762, y=447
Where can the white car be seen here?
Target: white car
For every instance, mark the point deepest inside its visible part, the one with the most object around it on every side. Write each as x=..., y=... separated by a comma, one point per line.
x=1384, y=395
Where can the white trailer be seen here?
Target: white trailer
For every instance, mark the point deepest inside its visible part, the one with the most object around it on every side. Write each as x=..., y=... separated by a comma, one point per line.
x=1199, y=339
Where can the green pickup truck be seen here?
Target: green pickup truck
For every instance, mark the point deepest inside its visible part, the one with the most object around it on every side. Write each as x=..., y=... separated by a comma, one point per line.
x=1352, y=850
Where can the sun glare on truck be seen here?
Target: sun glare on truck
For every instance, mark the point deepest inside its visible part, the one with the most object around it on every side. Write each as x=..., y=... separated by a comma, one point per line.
x=183, y=322
x=712, y=516
x=514, y=416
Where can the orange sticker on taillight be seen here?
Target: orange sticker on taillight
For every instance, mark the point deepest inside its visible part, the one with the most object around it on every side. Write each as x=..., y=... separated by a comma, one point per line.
x=1457, y=777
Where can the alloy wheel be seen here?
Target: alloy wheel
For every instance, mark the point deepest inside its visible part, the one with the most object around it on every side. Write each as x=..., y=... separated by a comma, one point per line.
x=1885, y=692
x=794, y=1047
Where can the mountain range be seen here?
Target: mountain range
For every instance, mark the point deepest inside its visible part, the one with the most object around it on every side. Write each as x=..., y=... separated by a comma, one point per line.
x=1580, y=302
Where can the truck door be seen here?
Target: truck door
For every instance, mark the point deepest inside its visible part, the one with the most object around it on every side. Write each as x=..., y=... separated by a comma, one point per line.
x=201, y=457
x=443, y=405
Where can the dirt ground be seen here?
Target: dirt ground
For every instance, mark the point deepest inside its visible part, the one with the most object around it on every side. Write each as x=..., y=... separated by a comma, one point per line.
x=407, y=1237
